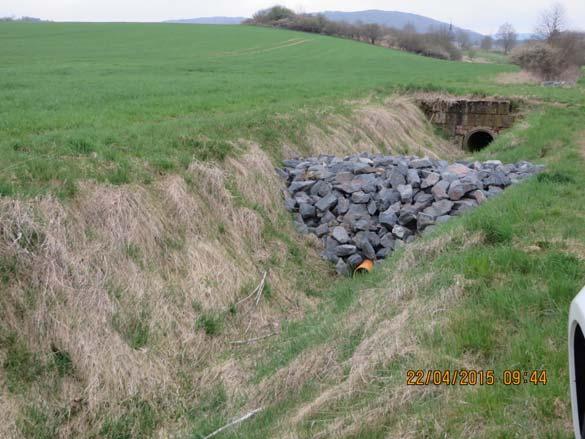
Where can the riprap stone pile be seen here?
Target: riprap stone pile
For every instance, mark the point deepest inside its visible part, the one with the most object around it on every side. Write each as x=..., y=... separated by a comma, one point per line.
x=363, y=206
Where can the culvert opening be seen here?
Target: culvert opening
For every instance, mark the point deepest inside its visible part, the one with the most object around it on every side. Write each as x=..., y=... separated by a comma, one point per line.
x=479, y=140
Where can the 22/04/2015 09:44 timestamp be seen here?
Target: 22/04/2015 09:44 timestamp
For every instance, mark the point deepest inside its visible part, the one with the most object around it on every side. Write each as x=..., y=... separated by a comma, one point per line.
x=471, y=377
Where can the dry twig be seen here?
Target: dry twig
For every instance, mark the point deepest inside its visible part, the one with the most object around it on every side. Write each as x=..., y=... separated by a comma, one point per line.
x=253, y=340
x=256, y=292
x=234, y=422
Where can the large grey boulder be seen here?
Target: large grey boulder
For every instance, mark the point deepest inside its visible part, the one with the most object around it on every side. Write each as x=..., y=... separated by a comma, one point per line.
x=412, y=178
x=362, y=224
x=322, y=230
x=297, y=186
x=326, y=202
x=396, y=178
x=365, y=183
x=406, y=193
x=354, y=261
x=459, y=188
x=401, y=232
x=407, y=216
x=424, y=198
x=374, y=239
x=439, y=208
x=342, y=205
x=321, y=188
x=387, y=241
x=289, y=203
x=458, y=169
x=478, y=196
x=363, y=243
x=388, y=218
x=328, y=218
x=340, y=235
x=360, y=197
x=431, y=180
x=439, y=190
x=387, y=197
x=345, y=250
x=302, y=197
x=421, y=163
x=307, y=211
x=424, y=220
x=497, y=179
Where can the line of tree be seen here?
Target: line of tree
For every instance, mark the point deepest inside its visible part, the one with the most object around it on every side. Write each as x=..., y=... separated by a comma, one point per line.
x=21, y=19
x=437, y=43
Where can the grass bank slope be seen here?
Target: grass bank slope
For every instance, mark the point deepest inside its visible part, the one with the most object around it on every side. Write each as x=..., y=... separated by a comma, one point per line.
x=488, y=291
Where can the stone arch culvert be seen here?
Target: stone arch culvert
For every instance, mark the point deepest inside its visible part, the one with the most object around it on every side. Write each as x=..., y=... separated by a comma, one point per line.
x=473, y=123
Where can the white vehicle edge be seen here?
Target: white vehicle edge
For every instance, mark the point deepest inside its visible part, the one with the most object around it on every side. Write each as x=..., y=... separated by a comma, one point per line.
x=577, y=362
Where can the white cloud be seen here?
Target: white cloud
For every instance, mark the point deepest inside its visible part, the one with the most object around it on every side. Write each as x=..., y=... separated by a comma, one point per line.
x=481, y=15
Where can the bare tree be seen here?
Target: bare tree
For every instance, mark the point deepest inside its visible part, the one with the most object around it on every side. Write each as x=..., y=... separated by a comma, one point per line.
x=572, y=47
x=463, y=40
x=373, y=32
x=487, y=43
x=552, y=23
x=507, y=37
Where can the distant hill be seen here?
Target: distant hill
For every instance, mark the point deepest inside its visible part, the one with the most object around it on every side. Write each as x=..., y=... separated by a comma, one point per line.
x=209, y=20
x=525, y=36
x=386, y=18
x=394, y=19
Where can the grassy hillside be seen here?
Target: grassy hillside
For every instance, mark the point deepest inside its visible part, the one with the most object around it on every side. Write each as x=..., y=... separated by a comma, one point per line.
x=123, y=300
x=124, y=102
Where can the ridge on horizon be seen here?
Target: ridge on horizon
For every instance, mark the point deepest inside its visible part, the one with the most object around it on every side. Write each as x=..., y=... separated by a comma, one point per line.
x=395, y=19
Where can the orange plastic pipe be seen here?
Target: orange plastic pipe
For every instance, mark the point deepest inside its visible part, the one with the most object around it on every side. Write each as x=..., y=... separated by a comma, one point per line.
x=366, y=266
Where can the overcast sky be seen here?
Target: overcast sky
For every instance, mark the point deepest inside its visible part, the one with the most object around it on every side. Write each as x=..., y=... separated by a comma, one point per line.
x=481, y=15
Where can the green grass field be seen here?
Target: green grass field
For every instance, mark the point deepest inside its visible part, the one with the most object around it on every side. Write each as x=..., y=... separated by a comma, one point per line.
x=121, y=103
x=487, y=56
x=125, y=102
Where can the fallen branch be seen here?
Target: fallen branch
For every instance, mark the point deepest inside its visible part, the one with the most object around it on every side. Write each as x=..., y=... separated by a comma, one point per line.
x=237, y=421
x=246, y=298
x=260, y=288
x=252, y=340
x=254, y=292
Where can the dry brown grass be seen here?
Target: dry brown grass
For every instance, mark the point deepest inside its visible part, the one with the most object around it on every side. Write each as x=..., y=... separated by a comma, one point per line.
x=517, y=78
x=317, y=364
x=111, y=255
x=161, y=257
x=396, y=127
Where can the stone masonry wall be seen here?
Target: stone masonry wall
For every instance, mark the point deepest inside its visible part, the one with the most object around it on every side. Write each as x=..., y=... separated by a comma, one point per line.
x=461, y=117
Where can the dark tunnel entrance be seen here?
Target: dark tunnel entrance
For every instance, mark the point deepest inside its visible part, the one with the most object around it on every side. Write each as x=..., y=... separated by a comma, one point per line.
x=479, y=140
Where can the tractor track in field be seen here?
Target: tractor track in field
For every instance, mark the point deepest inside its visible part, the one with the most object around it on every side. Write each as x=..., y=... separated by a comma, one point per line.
x=257, y=50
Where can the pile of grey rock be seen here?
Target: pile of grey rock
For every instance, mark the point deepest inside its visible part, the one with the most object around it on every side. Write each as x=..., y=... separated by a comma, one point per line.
x=365, y=206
